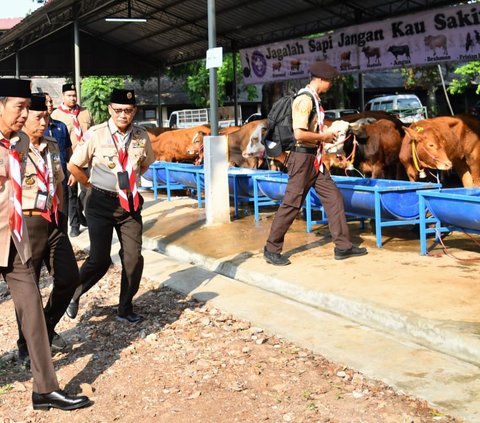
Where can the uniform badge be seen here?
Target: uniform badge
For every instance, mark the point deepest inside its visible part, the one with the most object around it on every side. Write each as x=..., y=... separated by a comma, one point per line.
x=29, y=180
x=111, y=165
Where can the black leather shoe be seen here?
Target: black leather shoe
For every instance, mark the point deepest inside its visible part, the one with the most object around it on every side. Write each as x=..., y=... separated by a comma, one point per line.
x=275, y=258
x=72, y=309
x=351, y=252
x=59, y=399
x=74, y=232
x=131, y=318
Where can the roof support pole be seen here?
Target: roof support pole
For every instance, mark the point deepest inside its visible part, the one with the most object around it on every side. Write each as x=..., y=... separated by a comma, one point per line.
x=217, y=205
x=235, y=96
x=361, y=92
x=76, y=54
x=17, y=64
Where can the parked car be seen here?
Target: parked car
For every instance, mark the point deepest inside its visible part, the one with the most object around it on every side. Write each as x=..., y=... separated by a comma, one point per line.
x=406, y=107
x=333, y=114
x=252, y=117
x=147, y=123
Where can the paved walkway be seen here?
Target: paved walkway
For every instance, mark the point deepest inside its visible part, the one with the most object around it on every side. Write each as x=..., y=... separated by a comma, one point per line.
x=412, y=321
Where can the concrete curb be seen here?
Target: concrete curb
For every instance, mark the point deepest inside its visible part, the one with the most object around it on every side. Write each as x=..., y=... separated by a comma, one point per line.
x=411, y=327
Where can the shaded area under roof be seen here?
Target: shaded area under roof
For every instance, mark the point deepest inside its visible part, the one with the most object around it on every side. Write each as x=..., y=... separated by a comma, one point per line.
x=176, y=31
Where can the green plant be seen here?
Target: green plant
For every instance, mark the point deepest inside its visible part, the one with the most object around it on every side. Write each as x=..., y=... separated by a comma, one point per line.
x=467, y=74
x=96, y=94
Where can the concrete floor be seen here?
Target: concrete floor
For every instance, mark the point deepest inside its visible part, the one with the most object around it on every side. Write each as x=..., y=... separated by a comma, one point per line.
x=412, y=321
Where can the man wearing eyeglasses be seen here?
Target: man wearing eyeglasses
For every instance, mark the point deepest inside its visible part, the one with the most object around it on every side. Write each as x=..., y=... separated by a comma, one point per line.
x=78, y=119
x=117, y=154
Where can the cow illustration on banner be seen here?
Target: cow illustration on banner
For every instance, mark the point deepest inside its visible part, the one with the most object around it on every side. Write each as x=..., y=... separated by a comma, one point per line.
x=437, y=36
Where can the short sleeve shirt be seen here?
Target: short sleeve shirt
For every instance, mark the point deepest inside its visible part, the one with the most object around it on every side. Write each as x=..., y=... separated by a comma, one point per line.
x=48, y=146
x=21, y=142
x=84, y=119
x=301, y=110
x=99, y=151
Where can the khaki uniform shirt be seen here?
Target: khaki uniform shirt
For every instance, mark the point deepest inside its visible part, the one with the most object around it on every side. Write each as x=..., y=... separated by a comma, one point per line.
x=84, y=118
x=47, y=146
x=98, y=151
x=21, y=142
x=302, y=107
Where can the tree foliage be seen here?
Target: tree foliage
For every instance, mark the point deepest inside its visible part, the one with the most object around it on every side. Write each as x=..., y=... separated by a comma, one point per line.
x=468, y=73
x=426, y=77
x=96, y=92
x=197, y=82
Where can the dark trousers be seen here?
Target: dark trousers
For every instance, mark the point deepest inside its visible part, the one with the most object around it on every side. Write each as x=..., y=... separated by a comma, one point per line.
x=52, y=246
x=26, y=297
x=104, y=214
x=76, y=204
x=302, y=176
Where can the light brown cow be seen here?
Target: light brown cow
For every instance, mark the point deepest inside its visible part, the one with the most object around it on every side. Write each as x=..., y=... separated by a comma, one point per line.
x=180, y=145
x=443, y=143
x=245, y=148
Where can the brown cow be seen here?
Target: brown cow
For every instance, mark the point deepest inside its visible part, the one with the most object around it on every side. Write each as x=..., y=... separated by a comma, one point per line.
x=378, y=137
x=244, y=145
x=443, y=143
x=379, y=151
x=180, y=145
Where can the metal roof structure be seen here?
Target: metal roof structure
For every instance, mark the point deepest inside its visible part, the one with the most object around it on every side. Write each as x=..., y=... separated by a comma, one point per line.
x=176, y=31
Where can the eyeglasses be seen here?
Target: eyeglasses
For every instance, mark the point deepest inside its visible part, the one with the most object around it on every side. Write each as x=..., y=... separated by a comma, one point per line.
x=126, y=111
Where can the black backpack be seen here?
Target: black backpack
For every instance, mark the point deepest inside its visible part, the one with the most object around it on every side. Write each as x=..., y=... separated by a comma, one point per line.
x=279, y=136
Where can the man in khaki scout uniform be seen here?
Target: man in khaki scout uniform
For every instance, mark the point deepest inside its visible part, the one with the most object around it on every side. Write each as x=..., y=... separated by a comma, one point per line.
x=305, y=169
x=78, y=119
x=15, y=253
x=117, y=153
x=42, y=191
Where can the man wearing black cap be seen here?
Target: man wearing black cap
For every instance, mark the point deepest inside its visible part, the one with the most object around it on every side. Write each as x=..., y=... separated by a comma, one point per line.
x=42, y=202
x=305, y=169
x=117, y=153
x=78, y=119
x=15, y=266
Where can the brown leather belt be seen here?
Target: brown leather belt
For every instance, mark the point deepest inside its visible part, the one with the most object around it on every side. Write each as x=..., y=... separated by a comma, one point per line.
x=307, y=150
x=112, y=194
x=32, y=213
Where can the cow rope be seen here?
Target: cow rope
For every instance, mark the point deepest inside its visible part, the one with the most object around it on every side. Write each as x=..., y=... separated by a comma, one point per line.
x=448, y=254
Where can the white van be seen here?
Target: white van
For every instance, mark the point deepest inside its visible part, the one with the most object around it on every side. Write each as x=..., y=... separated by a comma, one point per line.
x=406, y=107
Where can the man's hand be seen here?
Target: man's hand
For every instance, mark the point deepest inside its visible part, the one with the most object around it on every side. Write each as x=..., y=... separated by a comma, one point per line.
x=329, y=137
x=71, y=181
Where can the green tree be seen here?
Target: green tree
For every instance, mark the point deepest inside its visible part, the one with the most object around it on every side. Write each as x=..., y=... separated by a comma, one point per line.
x=197, y=83
x=96, y=94
x=468, y=75
x=426, y=77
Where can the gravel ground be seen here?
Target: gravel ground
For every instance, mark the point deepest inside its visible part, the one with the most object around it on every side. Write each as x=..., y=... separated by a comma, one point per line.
x=190, y=362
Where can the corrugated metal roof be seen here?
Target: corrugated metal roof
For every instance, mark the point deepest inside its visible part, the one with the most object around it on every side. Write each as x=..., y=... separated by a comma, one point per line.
x=176, y=31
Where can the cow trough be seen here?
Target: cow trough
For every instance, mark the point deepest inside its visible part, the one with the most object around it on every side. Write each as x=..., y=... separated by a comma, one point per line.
x=157, y=175
x=241, y=184
x=240, y=181
x=452, y=209
x=268, y=190
x=189, y=175
x=388, y=202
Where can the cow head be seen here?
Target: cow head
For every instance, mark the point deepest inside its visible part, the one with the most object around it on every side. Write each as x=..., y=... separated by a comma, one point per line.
x=196, y=146
x=342, y=129
x=254, y=147
x=428, y=145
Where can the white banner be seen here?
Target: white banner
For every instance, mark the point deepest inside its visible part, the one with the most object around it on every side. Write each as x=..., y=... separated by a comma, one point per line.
x=441, y=35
